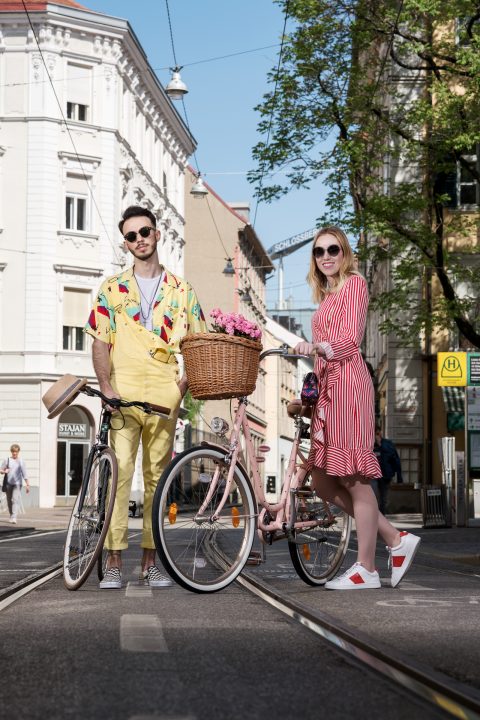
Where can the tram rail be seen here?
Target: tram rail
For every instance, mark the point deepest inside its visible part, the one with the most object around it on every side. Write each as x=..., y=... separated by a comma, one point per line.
x=434, y=687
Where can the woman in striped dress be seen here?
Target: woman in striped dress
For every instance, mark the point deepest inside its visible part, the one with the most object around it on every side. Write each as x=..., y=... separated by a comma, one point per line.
x=341, y=458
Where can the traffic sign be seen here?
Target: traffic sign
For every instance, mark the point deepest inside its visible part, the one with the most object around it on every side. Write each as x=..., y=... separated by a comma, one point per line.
x=452, y=369
x=473, y=369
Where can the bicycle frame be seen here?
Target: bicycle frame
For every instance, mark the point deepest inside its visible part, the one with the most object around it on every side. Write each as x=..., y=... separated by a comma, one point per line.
x=101, y=441
x=284, y=510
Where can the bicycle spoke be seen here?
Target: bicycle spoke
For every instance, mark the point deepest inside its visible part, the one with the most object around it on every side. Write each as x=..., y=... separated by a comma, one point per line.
x=201, y=553
x=89, y=520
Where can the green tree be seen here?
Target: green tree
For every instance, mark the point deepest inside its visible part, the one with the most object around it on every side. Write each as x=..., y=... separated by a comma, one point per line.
x=365, y=85
x=193, y=408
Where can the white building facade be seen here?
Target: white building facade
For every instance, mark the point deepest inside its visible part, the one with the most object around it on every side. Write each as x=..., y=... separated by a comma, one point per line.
x=86, y=129
x=283, y=383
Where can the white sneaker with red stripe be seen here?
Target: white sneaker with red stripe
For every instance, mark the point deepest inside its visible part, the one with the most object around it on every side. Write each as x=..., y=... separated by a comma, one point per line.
x=401, y=557
x=356, y=578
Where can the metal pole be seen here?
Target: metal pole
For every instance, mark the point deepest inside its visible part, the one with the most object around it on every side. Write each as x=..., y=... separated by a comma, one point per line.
x=280, y=283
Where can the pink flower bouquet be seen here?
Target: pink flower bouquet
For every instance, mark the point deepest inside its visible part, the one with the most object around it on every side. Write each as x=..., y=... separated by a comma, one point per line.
x=233, y=324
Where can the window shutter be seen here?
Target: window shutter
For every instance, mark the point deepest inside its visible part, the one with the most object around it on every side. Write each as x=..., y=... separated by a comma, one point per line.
x=76, y=307
x=79, y=84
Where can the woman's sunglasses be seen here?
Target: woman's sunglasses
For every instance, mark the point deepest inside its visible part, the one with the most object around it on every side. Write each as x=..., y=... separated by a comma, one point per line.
x=333, y=251
x=144, y=232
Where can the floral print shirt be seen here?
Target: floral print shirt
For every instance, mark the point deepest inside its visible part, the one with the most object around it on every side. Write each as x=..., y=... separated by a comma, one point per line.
x=176, y=313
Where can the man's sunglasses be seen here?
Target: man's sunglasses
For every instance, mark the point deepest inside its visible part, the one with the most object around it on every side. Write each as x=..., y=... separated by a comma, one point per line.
x=144, y=232
x=333, y=251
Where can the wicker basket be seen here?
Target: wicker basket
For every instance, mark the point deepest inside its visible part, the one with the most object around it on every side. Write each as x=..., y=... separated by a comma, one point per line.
x=219, y=365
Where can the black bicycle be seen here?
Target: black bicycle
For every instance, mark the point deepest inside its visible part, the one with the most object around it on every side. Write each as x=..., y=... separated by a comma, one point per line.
x=93, y=506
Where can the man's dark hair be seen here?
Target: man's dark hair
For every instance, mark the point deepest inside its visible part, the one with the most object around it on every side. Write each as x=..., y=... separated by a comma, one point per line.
x=136, y=211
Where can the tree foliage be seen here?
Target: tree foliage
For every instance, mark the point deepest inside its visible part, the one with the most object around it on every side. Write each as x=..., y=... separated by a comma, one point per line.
x=382, y=99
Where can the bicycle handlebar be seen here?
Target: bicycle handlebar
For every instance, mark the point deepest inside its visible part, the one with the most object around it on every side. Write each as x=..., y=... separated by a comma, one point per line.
x=148, y=408
x=284, y=351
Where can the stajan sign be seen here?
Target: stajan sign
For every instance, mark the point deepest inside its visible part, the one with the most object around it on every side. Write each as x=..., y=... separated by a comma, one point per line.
x=77, y=430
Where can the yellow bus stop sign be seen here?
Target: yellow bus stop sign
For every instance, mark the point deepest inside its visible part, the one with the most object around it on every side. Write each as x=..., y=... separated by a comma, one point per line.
x=452, y=369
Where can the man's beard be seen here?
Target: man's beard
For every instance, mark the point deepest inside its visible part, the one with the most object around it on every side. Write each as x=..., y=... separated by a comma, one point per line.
x=143, y=257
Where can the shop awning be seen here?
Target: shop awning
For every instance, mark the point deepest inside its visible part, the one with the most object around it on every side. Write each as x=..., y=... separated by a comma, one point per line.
x=454, y=401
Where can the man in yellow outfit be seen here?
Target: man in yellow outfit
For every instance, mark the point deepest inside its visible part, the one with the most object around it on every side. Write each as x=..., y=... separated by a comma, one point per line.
x=137, y=322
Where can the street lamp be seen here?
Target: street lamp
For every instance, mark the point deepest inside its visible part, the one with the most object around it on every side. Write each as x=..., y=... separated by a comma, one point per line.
x=229, y=269
x=198, y=189
x=176, y=88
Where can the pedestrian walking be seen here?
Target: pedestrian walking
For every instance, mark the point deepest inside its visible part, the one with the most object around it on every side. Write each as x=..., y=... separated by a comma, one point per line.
x=137, y=323
x=341, y=460
x=14, y=475
x=390, y=465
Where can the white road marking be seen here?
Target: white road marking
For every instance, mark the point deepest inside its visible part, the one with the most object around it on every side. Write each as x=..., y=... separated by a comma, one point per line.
x=142, y=633
x=32, y=535
x=162, y=717
x=136, y=590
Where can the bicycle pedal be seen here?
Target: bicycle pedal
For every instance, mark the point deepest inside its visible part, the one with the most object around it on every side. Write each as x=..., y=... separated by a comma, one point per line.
x=255, y=558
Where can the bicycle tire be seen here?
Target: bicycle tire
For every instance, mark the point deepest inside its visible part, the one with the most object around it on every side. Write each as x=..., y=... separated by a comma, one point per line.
x=317, y=553
x=88, y=526
x=204, y=555
x=102, y=564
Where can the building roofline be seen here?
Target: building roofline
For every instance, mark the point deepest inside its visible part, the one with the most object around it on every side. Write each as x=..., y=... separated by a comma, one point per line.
x=132, y=45
x=248, y=229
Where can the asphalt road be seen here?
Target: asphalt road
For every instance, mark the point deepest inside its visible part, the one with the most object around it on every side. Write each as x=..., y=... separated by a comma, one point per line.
x=165, y=653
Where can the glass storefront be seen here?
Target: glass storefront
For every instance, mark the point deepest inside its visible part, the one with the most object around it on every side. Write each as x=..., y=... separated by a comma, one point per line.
x=73, y=442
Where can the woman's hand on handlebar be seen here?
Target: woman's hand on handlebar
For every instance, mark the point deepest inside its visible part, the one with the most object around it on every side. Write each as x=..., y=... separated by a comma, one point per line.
x=306, y=348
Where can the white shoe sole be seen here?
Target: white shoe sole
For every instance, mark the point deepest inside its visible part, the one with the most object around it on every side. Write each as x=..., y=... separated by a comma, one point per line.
x=363, y=586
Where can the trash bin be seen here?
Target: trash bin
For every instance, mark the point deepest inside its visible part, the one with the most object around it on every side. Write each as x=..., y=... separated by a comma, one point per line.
x=435, y=507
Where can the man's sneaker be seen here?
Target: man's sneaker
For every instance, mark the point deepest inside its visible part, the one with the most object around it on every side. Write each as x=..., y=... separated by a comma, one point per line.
x=112, y=579
x=153, y=577
x=356, y=578
x=13, y=520
x=401, y=557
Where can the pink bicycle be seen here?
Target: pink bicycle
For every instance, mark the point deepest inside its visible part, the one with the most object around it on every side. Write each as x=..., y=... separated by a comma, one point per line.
x=207, y=509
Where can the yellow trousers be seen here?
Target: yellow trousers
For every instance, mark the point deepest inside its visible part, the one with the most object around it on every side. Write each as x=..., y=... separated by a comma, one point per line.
x=150, y=381
x=157, y=444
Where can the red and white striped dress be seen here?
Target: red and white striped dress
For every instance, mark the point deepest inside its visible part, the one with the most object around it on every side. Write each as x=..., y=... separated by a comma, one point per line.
x=343, y=424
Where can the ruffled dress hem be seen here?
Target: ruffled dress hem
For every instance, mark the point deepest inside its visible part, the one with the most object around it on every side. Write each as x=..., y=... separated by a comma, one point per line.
x=342, y=463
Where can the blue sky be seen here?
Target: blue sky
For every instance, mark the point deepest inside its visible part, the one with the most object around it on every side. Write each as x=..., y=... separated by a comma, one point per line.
x=220, y=104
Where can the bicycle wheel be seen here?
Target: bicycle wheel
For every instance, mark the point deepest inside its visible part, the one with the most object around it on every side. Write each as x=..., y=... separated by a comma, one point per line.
x=318, y=552
x=90, y=520
x=203, y=554
x=102, y=564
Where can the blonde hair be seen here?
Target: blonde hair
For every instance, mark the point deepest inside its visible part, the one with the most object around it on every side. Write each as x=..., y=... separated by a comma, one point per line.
x=316, y=279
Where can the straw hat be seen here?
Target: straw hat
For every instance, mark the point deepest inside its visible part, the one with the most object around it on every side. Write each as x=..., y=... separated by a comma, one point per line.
x=62, y=393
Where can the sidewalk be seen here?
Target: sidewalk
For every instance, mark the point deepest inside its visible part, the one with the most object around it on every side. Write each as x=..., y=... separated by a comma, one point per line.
x=37, y=519
x=454, y=545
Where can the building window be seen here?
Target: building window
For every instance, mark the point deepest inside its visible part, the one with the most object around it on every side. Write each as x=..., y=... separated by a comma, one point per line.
x=78, y=92
x=77, y=111
x=468, y=186
x=73, y=338
x=76, y=308
x=75, y=212
x=410, y=460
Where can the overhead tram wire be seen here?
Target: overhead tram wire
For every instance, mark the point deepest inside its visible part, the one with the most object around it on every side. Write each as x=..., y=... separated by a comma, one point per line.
x=227, y=256
x=273, y=104
x=115, y=251
x=165, y=67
